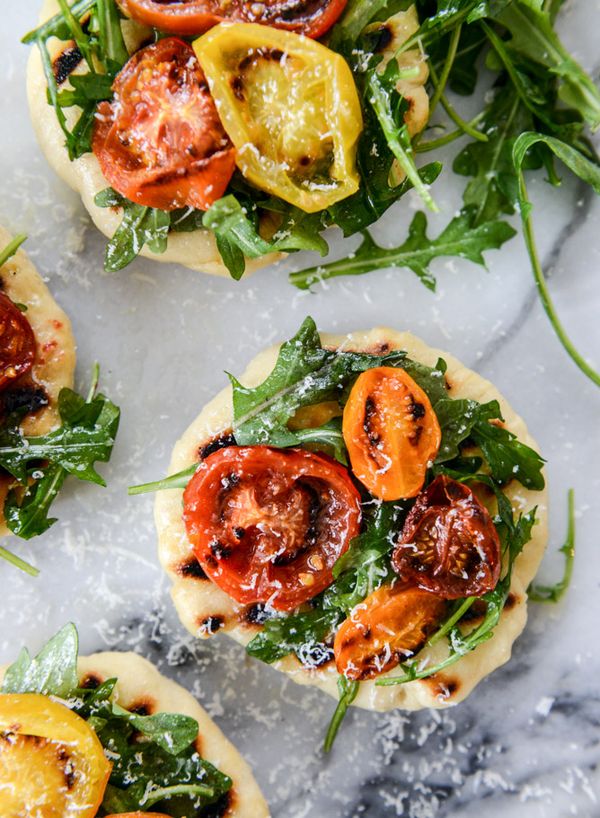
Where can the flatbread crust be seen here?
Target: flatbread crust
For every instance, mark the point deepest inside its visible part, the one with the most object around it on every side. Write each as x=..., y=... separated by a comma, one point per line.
x=140, y=685
x=54, y=366
x=196, y=250
x=203, y=608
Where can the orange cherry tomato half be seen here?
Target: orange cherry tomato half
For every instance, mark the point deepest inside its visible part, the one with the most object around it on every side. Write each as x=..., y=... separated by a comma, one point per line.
x=267, y=525
x=189, y=17
x=390, y=626
x=138, y=815
x=449, y=544
x=17, y=342
x=160, y=142
x=51, y=761
x=391, y=432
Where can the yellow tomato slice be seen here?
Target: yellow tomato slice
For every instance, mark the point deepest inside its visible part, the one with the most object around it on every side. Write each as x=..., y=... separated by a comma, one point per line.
x=291, y=109
x=52, y=764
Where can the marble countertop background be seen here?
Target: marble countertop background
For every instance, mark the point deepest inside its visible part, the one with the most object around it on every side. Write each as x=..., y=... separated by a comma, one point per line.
x=527, y=741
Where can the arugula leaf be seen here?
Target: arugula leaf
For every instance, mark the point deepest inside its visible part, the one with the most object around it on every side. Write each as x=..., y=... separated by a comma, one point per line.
x=52, y=672
x=459, y=238
x=554, y=593
x=302, y=634
x=304, y=374
x=328, y=437
x=533, y=36
x=11, y=248
x=41, y=463
x=508, y=459
x=171, y=731
x=140, y=226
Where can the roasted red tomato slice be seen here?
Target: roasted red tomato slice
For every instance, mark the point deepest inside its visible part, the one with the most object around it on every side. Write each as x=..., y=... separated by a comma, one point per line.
x=17, y=342
x=391, y=625
x=267, y=525
x=449, y=544
x=160, y=142
x=187, y=17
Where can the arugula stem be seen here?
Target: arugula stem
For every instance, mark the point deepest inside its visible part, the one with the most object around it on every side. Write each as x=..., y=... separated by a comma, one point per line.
x=554, y=593
x=542, y=287
x=380, y=103
x=348, y=691
x=451, y=621
x=454, y=116
x=448, y=63
x=174, y=481
x=111, y=35
x=160, y=793
x=11, y=248
x=52, y=87
x=7, y=555
x=434, y=144
x=93, y=382
x=54, y=24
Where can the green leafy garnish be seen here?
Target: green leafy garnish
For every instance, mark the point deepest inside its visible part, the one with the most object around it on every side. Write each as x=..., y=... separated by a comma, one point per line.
x=348, y=691
x=162, y=767
x=554, y=593
x=459, y=238
x=40, y=464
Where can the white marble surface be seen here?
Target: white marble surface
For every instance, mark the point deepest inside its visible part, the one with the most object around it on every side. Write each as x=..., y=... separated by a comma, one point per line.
x=527, y=742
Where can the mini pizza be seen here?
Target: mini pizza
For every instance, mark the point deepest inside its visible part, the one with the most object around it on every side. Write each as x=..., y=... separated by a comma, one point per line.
x=204, y=133
x=361, y=511
x=37, y=353
x=108, y=735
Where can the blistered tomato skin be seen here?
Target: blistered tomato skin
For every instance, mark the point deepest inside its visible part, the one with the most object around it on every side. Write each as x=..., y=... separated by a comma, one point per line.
x=391, y=433
x=17, y=343
x=449, y=545
x=390, y=626
x=52, y=757
x=190, y=17
x=291, y=109
x=160, y=142
x=267, y=525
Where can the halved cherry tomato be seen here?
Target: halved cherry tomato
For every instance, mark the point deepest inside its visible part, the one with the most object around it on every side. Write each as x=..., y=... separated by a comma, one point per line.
x=189, y=17
x=290, y=107
x=51, y=761
x=267, y=525
x=391, y=432
x=160, y=142
x=391, y=625
x=449, y=544
x=17, y=342
x=138, y=815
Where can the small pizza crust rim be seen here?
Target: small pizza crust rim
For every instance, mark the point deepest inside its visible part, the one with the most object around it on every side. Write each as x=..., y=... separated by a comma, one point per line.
x=140, y=685
x=54, y=366
x=203, y=608
x=196, y=250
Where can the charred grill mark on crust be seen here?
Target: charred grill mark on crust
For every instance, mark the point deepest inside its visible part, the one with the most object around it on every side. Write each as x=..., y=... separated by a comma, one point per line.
x=255, y=614
x=442, y=686
x=383, y=37
x=511, y=601
x=317, y=656
x=220, y=442
x=90, y=681
x=211, y=624
x=370, y=410
x=191, y=570
x=26, y=399
x=145, y=707
x=66, y=62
